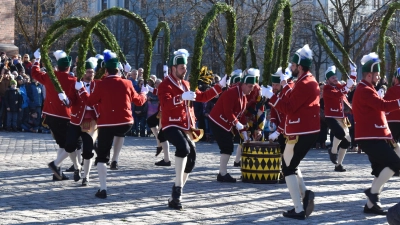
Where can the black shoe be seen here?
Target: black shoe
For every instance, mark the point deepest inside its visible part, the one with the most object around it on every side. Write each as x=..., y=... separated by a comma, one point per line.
x=71, y=169
x=77, y=175
x=158, y=151
x=292, y=214
x=332, y=157
x=101, y=194
x=162, y=163
x=282, y=180
x=236, y=164
x=64, y=177
x=308, y=203
x=175, y=201
x=108, y=163
x=396, y=174
x=55, y=170
x=374, y=198
x=85, y=182
x=376, y=209
x=114, y=165
x=339, y=168
x=226, y=178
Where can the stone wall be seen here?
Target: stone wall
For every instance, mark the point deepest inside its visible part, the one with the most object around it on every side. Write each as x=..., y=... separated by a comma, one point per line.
x=7, y=24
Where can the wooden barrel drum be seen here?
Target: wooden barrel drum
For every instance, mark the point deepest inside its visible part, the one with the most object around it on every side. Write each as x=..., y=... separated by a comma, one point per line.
x=261, y=162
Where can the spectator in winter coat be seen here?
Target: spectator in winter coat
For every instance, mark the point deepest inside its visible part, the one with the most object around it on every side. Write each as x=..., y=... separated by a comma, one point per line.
x=31, y=123
x=4, y=85
x=24, y=114
x=27, y=64
x=13, y=104
x=141, y=115
x=35, y=92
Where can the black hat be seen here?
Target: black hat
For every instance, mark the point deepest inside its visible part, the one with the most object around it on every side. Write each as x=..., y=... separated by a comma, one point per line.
x=19, y=77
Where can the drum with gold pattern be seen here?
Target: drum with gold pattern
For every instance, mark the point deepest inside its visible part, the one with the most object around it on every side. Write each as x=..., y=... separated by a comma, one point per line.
x=261, y=162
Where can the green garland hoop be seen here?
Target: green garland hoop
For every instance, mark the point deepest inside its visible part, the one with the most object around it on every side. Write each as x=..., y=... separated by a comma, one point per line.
x=320, y=29
x=248, y=43
x=230, y=16
x=84, y=40
x=382, y=33
x=279, y=7
x=393, y=58
x=167, y=33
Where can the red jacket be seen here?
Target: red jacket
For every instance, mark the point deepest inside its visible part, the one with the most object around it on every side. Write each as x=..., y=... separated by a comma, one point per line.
x=301, y=106
x=229, y=108
x=52, y=104
x=369, y=113
x=114, y=96
x=176, y=112
x=78, y=107
x=333, y=99
x=393, y=93
x=277, y=117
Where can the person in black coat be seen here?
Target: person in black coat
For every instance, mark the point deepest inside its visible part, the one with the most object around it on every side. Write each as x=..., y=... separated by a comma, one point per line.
x=13, y=104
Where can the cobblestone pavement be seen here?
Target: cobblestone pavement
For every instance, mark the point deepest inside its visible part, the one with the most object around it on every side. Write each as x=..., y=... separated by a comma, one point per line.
x=138, y=191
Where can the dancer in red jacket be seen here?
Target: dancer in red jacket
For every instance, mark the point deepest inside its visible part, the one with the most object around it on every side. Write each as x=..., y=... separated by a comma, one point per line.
x=372, y=132
x=114, y=95
x=335, y=100
x=178, y=119
x=301, y=107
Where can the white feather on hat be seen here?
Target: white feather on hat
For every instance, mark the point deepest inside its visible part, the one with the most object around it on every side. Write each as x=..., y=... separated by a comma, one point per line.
x=237, y=72
x=370, y=56
x=59, y=54
x=278, y=71
x=306, y=52
x=253, y=72
x=98, y=56
x=331, y=68
x=182, y=51
x=93, y=60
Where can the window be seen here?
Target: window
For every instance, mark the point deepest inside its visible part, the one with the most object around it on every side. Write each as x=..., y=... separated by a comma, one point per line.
x=143, y=4
x=160, y=45
x=104, y=5
x=335, y=17
x=126, y=4
x=377, y=4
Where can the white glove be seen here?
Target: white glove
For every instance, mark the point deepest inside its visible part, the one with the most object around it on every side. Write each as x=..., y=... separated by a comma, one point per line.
x=37, y=54
x=245, y=137
x=144, y=90
x=350, y=83
x=78, y=85
x=151, y=89
x=189, y=96
x=127, y=68
x=284, y=77
x=224, y=81
x=381, y=93
x=266, y=91
x=63, y=98
x=239, y=126
x=165, y=69
x=273, y=136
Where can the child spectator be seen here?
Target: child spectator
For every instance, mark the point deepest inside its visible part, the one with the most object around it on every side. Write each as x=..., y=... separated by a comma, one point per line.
x=31, y=124
x=13, y=103
x=269, y=127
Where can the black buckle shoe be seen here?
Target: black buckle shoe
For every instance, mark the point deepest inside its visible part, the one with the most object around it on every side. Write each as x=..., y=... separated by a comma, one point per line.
x=292, y=214
x=332, y=157
x=85, y=182
x=226, y=178
x=101, y=194
x=71, y=169
x=374, y=198
x=162, y=163
x=308, y=203
x=55, y=170
x=236, y=164
x=64, y=177
x=376, y=209
x=340, y=168
x=114, y=165
x=158, y=151
x=175, y=201
x=77, y=175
